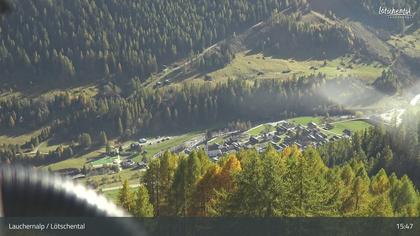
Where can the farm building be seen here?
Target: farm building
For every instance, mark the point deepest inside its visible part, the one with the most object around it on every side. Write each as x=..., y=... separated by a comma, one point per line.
x=215, y=153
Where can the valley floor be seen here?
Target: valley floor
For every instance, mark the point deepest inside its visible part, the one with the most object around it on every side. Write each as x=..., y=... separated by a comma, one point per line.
x=297, y=133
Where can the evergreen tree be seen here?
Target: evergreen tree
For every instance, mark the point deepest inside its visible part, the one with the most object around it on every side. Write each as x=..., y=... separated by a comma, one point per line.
x=85, y=140
x=381, y=207
x=125, y=197
x=386, y=159
x=178, y=200
x=142, y=206
x=168, y=164
x=103, y=139
x=184, y=185
x=310, y=193
x=260, y=187
x=347, y=175
x=120, y=129
x=12, y=122
x=205, y=196
x=380, y=183
x=404, y=197
x=152, y=181
x=356, y=204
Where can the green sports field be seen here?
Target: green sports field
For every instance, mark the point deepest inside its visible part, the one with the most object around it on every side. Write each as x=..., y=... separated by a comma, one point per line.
x=354, y=125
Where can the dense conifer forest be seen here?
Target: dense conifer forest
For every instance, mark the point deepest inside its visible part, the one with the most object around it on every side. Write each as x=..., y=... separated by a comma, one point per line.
x=84, y=40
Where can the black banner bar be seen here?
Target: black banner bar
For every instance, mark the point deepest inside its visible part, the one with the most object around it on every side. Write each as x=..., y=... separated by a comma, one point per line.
x=172, y=226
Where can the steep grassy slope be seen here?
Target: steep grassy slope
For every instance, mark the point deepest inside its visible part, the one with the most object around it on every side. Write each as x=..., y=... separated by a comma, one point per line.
x=258, y=66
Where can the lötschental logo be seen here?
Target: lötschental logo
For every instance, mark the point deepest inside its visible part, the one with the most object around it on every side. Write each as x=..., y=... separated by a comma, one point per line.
x=396, y=12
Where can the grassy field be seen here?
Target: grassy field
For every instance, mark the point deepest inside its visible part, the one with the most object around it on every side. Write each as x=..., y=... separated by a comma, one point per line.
x=18, y=137
x=76, y=162
x=354, y=125
x=112, y=195
x=113, y=180
x=259, y=129
x=304, y=120
x=258, y=66
x=174, y=141
x=105, y=160
x=88, y=90
x=45, y=147
x=51, y=89
x=80, y=161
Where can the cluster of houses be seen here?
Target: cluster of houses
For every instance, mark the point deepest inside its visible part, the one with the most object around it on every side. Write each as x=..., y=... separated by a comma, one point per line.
x=302, y=136
x=286, y=134
x=231, y=144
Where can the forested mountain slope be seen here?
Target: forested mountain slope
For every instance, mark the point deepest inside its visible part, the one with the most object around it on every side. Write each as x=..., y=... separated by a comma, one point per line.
x=63, y=40
x=300, y=36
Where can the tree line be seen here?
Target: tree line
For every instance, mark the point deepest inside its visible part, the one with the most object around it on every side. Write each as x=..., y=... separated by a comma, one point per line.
x=268, y=184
